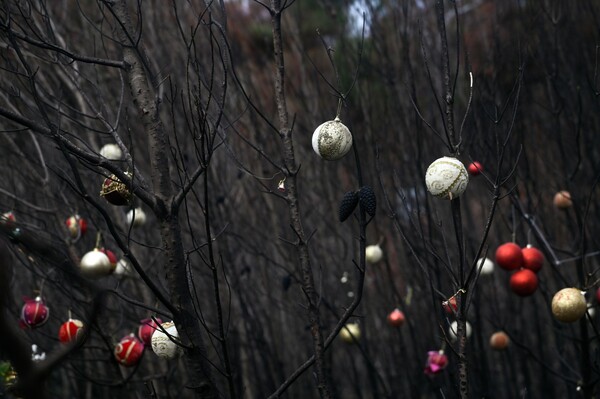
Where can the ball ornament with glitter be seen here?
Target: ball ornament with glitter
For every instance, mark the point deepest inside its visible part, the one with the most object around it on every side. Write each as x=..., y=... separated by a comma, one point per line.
x=332, y=140
x=446, y=178
x=568, y=305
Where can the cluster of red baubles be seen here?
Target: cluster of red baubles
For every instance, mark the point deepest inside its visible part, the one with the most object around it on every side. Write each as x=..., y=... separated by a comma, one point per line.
x=526, y=261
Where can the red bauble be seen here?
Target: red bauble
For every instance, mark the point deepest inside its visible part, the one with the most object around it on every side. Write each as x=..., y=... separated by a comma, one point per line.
x=112, y=258
x=115, y=191
x=129, y=351
x=533, y=258
x=396, y=318
x=77, y=226
x=451, y=305
x=8, y=219
x=475, y=168
x=509, y=256
x=69, y=330
x=524, y=282
x=146, y=330
x=499, y=340
x=34, y=313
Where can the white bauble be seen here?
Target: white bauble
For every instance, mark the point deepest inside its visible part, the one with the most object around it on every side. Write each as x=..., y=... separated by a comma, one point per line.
x=162, y=344
x=95, y=264
x=140, y=217
x=446, y=178
x=123, y=267
x=111, y=151
x=332, y=140
x=373, y=253
x=453, y=330
x=591, y=310
x=486, y=265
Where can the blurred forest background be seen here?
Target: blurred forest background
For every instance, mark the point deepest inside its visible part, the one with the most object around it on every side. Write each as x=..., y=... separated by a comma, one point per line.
x=213, y=105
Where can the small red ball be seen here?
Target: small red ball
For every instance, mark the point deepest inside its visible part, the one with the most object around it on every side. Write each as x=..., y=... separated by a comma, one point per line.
x=598, y=294
x=69, y=330
x=129, y=351
x=524, y=282
x=533, y=258
x=396, y=318
x=475, y=168
x=509, y=256
x=451, y=305
x=146, y=329
x=499, y=340
x=112, y=258
x=34, y=313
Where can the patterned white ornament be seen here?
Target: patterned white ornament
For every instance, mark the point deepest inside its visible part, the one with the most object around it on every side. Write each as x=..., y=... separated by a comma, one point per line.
x=332, y=140
x=162, y=344
x=446, y=178
x=112, y=152
x=373, y=253
x=486, y=265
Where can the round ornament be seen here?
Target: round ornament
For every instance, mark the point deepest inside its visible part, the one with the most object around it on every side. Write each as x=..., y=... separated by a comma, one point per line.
x=95, y=264
x=112, y=152
x=115, y=191
x=332, y=140
x=146, y=329
x=453, y=330
x=136, y=217
x=123, y=267
x=563, y=200
x=77, y=226
x=533, y=258
x=396, y=318
x=446, y=178
x=373, y=253
x=437, y=361
x=8, y=219
x=69, y=330
x=598, y=294
x=485, y=265
x=350, y=333
x=475, y=168
x=509, y=256
x=34, y=313
x=129, y=351
x=568, y=305
x=523, y=282
x=451, y=305
x=162, y=344
x=499, y=340
x=112, y=258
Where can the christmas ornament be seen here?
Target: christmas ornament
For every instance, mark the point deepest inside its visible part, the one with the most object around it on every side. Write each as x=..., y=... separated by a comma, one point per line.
x=112, y=152
x=112, y=258
x=598, y=294
x=453, y=330
x=350, y=333
x=562, y=200
x=115, y=191
x=485, y=265
x=451, y=305
x=533, y=258
x=332, y=140
x=129, y=351
x=475, y=168
x=509, y=256
x=162, y=344
x=446, y=178
x=8, y=219
x=568, y=305
x=146, y=329
x=77, y=226
x=136, y=218
x=523, y=282
x=591, y=310
x=35, y=355
x=436, y=362
x=347, y=205
x=396, y=318
x=70, y=330
x=367, y=200
x=373, y=253
x=123, y=267
x=34, y=312
x=95, y=264
x=499, y=340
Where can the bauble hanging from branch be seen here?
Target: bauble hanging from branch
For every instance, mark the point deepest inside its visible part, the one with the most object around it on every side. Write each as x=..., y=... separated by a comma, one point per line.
x=509, y=256
x=446, y=178
x=485, y=266
x=112, y=152
x=146, y=329
x=332, y=140
x=499, y=340
x=129, y=350
x=70, y=330
x=136, y=217
x=350, y=333
x=396, y=318
x=569, y=305
x=115, y=191
x=523, y=282
x=34, y=312
x=95, y=264
x=77, y=226
x=373, y=253
x=164, y=345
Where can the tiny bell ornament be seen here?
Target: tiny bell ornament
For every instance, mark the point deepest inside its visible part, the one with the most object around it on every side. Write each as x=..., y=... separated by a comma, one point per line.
x=115, y=191
x=396, y=318
x=162, y=344
x=509, y=256
x=475, y=168
x=373, y=253
x=34, y=313
x=523, y=282
x=350, y=333
x=446, y=178
x=569, y=305
x=533, y=258
x=499, y=340
x=563, y=200
x=485, y=266
x=77, y=226
x=453, y=330
x=146, y=329
x=436, y=362
x=112, y=152
x=136, y=217
x=129, y=351
x=95, y=264
x=70, y=330
x=332, y=140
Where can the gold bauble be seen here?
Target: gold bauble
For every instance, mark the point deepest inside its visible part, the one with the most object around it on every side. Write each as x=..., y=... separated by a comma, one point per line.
x=568, y=305
x=350, y=333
